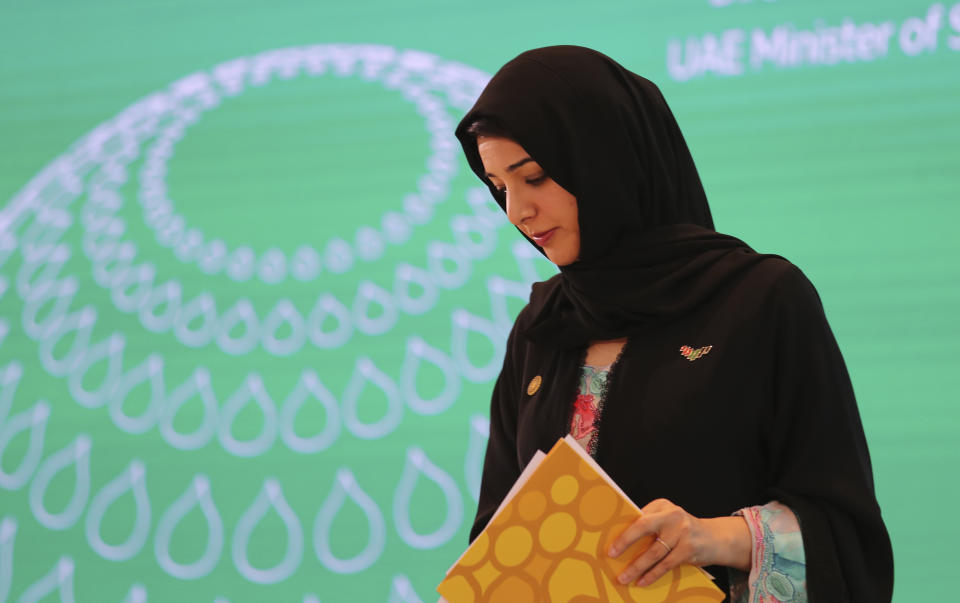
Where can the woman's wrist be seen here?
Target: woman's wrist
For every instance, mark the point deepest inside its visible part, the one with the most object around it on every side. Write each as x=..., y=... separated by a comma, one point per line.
x=731, y=542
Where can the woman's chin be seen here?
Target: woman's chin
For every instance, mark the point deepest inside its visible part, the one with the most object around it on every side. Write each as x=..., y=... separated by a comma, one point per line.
x=560, y=259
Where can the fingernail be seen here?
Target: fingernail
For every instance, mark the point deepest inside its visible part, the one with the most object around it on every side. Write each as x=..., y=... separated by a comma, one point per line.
x=624, y=578
x=613, y=552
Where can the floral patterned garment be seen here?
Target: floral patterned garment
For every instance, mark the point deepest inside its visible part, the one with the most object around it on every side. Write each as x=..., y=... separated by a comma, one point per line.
x=588, y=406
x=778, y=568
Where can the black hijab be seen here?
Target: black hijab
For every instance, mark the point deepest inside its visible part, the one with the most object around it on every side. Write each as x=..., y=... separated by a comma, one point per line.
x=606, y=135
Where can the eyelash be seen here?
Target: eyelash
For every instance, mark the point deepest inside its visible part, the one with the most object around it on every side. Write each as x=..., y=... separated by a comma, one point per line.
x=531, y=181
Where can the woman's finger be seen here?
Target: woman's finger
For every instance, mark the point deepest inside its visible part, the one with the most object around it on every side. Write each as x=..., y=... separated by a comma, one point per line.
x=657, y=553
x=669, y=561
x=645, y=524
x=657, y=505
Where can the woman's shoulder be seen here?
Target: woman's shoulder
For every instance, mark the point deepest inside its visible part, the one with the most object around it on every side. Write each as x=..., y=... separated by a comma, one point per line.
x=784, y=288
x=541, y=291
x=541, y=294
x=779, y=277
x=773, y=271
x=776, y=284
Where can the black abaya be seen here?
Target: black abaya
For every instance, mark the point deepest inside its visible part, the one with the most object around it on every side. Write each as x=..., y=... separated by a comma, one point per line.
x=768, y=414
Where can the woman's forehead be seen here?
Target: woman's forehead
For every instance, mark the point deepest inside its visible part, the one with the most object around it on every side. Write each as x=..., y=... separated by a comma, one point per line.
x=502, y=153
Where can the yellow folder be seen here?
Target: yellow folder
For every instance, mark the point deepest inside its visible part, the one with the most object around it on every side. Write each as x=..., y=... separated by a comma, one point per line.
x=547, y=542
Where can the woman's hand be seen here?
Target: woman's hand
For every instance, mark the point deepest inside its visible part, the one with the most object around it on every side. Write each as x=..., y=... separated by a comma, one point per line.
x=682, y=538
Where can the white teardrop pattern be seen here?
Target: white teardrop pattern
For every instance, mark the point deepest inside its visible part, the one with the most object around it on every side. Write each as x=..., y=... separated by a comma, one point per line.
x=366, y=372
x=8, y=534
x=485, y=208
x=241, y=266
x=270, y=497
x=396, y=227
x=462, y=226
x=196, y=385
x=167, y=295
x=34, y=419
x=476, y=447
x=101, y=239
x=328, y=305
x=141, y=277
x=305, y=263
x=8, y=244
x=526, y=257
x=309, y=386
x=47, y=229
x=58, y=580
x=251, y=390
x=212, y=257
x=133, y=480
x=438, y=254
x=204, y=307
x=345, y=486
x=136, y=594
x=418, y=351
x=401, y=591
x=284, y=312
x=4, y=323
x=81, y=324
x=406, y=275
x=40, y=268
x=241, y=313
x=368, y=294
x=109, y=350
x=110, y=270
x=501, y=290
x=9, y=380
x=273, y=267
x=197, y=494
x=465, y=323
x=61, y=292
x=417, y=465
x=102, y=236
x=150, y=371
x=76, y=454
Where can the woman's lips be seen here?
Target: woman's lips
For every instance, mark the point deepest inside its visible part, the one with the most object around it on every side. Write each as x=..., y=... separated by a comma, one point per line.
x=541, y=238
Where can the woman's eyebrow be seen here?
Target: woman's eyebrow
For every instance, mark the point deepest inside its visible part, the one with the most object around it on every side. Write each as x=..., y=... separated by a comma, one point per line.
x=513, y=166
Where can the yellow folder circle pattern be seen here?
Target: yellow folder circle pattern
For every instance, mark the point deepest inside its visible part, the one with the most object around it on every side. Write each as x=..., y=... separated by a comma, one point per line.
x=549, y=544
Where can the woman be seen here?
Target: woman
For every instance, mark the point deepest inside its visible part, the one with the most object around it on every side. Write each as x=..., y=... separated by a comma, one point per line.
x=701, y=375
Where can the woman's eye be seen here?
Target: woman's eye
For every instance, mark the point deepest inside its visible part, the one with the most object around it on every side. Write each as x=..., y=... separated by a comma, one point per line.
x=531, y=181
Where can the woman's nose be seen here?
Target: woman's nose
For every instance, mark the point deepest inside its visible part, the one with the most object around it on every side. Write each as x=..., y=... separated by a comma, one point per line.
x=519, y=208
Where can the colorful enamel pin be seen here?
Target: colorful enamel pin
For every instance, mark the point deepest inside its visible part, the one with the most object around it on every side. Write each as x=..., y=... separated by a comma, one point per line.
x=692, y=354
x=534, y=385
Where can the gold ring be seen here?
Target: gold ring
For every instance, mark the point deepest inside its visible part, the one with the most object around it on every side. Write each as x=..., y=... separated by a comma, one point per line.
x=665, y=545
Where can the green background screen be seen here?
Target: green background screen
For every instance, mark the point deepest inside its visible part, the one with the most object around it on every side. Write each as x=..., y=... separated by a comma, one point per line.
x=252, y=300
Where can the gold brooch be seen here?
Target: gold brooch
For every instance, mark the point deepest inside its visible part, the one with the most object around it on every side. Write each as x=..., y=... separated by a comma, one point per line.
x=692, y=354
x=534, y=385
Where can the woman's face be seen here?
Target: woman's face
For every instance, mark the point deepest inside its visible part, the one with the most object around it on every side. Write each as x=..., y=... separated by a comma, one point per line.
x=536, y=204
